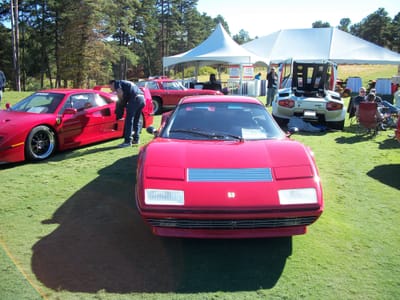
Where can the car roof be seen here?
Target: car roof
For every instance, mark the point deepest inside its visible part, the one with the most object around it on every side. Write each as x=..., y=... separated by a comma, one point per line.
x=68, y=91
x=221, y=99
x=159, y=80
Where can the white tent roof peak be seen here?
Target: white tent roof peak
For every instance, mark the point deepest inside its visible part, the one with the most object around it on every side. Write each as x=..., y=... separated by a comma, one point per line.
x=320, y=43
x=218, y=48
x=218, y=42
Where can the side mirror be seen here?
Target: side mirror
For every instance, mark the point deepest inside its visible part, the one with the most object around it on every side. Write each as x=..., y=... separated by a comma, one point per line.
x=8, y=105
x=292, y=130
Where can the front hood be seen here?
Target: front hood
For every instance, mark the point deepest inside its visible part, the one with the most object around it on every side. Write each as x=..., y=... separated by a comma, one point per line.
x=225, y=175
x=204, y=92
x=9, y=120
x=248, y=154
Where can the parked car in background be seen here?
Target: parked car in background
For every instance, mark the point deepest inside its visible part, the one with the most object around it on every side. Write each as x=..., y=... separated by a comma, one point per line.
x=220, y=167
x=307, y=90
x=59, y=119
x=167, y=92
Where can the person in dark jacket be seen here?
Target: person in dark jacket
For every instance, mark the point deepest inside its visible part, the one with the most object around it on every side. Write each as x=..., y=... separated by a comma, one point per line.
x=213, y=84
x=272, y=82
x=131, y=98
x=355, y=102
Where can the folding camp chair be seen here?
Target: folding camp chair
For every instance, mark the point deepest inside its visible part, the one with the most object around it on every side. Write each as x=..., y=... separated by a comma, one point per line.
x=367, y=117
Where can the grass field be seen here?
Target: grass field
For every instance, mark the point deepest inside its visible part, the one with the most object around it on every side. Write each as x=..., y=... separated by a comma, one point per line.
x=69, y=229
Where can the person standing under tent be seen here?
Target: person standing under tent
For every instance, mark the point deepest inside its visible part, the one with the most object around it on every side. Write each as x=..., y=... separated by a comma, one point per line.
x=258, y=76
x=272, y=82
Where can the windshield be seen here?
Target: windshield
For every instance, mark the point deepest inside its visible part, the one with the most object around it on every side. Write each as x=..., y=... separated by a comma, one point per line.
x=221, y=121
x=39, y=103
x=172, y=85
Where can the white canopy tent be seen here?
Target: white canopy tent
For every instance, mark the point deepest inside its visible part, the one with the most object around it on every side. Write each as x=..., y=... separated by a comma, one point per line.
x=218, y=48
x=318, y=44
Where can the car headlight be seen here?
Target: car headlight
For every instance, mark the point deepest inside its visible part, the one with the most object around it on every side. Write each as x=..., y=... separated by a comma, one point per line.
x=298, y=196
x=164, y=197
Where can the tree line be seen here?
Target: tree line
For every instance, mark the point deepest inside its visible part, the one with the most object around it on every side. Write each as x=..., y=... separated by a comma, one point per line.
x=70, y=43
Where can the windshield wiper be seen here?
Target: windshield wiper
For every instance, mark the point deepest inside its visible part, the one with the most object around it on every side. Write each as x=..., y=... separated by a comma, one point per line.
x=213, y=135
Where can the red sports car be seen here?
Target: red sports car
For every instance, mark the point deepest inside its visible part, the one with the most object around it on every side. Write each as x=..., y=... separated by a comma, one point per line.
x=221, y=167
x=166, y=92
x=60, y=119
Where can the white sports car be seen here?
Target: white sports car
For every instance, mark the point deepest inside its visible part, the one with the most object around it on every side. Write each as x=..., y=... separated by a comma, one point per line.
x=307, y=90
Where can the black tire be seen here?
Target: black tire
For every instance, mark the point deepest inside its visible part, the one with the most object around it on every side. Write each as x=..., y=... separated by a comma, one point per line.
x=40, y=143
x=336, y=125
x=157, y=106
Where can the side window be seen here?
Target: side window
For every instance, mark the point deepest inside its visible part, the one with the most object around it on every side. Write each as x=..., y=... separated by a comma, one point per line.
x=67, y=104
x=166, y=86
x=82, y=101
x=98, y=101
x=152, y=85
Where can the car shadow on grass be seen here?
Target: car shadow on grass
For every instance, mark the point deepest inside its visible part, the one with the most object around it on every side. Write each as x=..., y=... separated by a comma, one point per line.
x=101, y=243
x=65, y=154
x=387, y=174
x=74, y=153
x=363, y=135
x=360, y=135
x=353, y=139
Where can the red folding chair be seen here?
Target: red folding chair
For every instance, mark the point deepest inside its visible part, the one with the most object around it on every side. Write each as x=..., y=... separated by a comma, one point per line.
x=367, y=117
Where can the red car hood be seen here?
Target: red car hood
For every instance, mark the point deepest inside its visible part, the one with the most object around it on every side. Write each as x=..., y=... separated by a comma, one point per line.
x=9, y=120
x=248, y=154
x=278, y=164
x=204, y=92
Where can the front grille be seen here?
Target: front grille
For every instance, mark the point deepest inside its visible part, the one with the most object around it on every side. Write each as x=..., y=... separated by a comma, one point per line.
x=232, y=224
x=230, y=175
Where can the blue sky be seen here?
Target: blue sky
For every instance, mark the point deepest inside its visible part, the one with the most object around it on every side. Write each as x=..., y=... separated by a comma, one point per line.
x=262, y=17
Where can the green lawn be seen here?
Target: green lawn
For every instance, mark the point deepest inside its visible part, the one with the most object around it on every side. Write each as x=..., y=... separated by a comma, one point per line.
x=69, y=229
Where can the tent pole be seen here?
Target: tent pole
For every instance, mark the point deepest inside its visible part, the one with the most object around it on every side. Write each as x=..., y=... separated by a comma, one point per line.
x=196, y=70
x=241, y=79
